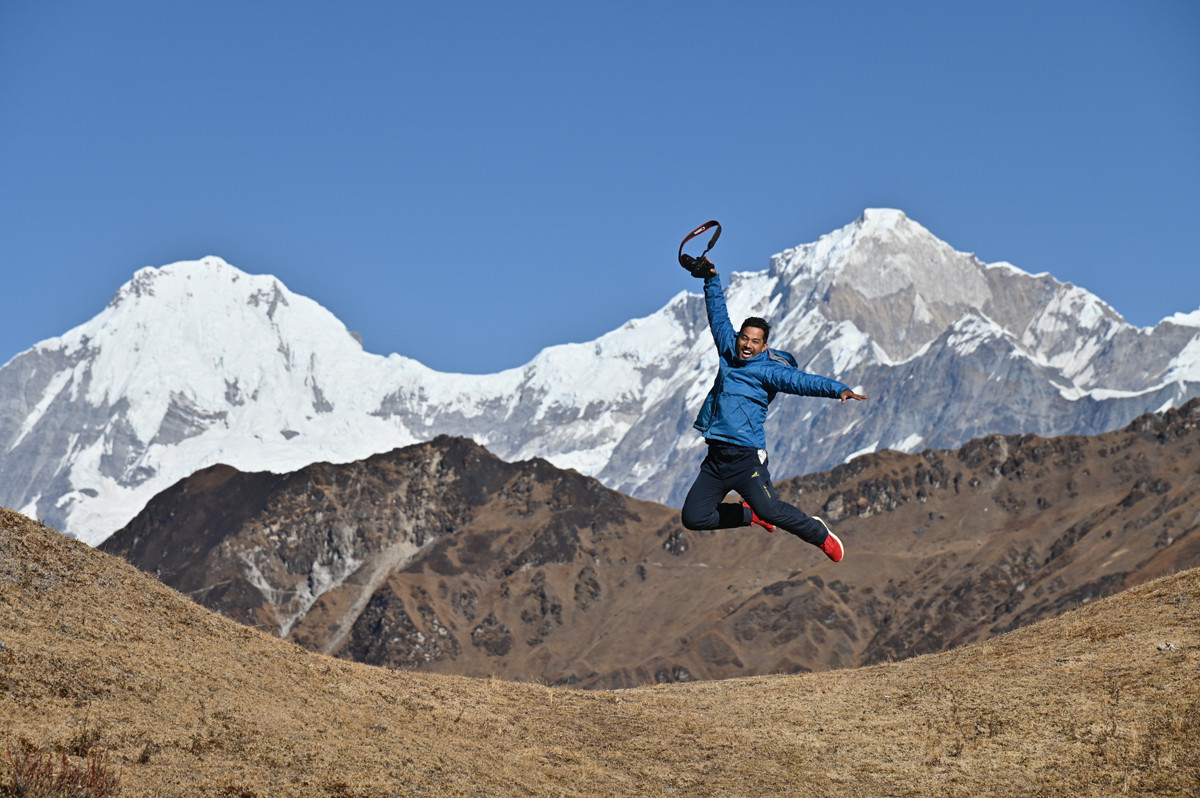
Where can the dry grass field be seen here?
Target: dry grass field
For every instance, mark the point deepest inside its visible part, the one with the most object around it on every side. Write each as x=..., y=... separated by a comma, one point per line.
x=1101, y=701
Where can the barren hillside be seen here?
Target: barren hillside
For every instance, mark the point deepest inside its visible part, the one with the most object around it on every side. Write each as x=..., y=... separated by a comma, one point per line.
x=1099, y=701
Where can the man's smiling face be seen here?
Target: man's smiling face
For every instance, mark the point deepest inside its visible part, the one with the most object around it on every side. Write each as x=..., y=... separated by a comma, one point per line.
x=750, y=342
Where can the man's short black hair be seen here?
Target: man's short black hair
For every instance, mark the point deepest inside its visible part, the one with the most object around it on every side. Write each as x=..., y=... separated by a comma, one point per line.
x=755, y=321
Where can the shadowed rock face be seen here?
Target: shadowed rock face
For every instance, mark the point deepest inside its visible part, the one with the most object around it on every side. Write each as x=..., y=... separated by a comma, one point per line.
x=442, y=557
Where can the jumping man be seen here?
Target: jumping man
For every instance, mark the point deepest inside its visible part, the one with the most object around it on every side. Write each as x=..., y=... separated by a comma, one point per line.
x=732, y=419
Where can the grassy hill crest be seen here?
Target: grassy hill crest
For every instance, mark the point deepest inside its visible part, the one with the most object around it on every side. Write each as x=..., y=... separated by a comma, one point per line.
x=1099, y=701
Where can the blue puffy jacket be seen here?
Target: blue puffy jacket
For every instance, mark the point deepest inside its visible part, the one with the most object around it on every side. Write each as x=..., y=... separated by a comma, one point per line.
x=735, y=410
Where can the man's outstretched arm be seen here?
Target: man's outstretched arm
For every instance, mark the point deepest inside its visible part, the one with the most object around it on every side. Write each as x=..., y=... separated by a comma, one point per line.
x=792, y=380
x=724, y=336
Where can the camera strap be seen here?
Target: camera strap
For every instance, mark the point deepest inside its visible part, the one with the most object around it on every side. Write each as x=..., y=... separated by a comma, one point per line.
x=709, y=225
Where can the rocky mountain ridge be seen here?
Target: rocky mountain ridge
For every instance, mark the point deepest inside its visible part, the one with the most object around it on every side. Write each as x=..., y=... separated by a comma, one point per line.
x=442, y=557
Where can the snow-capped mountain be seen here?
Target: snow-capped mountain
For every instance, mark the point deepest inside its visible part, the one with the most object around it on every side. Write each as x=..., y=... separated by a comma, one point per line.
x=198, y=363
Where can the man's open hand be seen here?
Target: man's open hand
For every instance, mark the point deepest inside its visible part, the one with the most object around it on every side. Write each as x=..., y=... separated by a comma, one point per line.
x=849, y=394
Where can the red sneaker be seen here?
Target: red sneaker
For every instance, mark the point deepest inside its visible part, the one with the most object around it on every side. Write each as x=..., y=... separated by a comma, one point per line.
x=832, y=545
x=754, y=519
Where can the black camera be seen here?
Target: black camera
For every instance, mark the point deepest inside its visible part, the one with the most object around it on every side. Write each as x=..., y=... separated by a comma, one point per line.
x=698, y=267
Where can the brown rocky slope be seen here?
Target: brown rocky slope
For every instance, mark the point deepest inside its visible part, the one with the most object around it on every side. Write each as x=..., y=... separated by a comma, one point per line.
x=441, y=557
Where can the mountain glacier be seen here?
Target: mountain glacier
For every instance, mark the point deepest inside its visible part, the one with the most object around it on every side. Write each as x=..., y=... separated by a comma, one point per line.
x=198, y=363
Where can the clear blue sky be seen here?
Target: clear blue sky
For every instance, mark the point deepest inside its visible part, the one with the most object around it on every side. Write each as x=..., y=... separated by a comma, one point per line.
x=467, y=183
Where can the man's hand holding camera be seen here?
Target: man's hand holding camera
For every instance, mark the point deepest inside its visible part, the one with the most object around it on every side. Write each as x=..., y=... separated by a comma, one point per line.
x=700, y=267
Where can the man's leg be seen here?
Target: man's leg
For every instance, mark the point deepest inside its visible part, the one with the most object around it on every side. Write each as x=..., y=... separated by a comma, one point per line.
x=703, y=508
x=754, y=485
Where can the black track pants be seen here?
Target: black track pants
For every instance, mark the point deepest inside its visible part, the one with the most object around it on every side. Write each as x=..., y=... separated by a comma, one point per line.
x=738, y=468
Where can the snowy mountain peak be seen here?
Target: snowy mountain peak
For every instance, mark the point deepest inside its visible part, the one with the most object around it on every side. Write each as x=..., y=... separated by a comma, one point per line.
x=874, y=219
x=198, y=363
x=195, y=362
x=1184, y=319
x=884, y=259
x=206, y=334
x=210, y=276
x=880, y=253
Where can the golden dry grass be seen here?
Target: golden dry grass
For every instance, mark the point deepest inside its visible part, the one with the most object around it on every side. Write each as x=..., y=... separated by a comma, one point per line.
x=1101, y=701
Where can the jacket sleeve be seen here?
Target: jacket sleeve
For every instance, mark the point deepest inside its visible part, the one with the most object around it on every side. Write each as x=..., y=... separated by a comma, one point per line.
x=723, y=333
x=781, y=377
